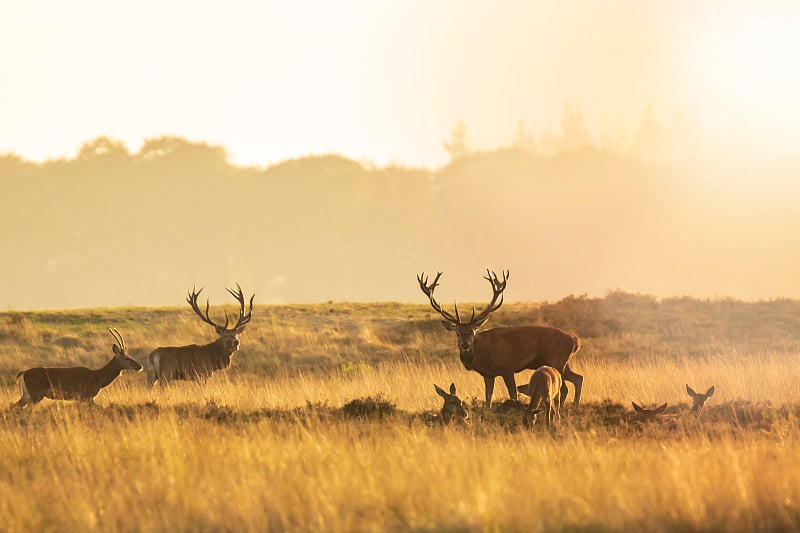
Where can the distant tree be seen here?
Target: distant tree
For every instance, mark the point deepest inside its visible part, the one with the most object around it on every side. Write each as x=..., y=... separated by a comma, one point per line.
x=573, y=136
x=102, y=146
x=523, y=138
x=458, y=145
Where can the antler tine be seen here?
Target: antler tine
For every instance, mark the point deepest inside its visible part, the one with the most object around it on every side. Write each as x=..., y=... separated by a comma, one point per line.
x=497, y=291
x=428, y=289
x=117, y=337
x=192, y=300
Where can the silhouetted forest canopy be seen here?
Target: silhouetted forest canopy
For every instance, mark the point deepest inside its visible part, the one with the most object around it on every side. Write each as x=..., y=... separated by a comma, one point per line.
x=116, y=227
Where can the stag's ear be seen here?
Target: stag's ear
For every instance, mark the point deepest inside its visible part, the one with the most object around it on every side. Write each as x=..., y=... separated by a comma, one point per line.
x=449, y=326
x=116, y=349
x=690, y=391
x=453, y=389
x=220, y=330
x=440, y=391
x=710, y=392
x=240, y=329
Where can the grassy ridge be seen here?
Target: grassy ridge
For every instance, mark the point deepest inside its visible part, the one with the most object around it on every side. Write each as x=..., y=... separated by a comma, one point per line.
x=320, y=425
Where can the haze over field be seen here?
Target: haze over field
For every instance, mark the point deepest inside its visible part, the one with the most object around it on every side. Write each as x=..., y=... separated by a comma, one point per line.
x=652, y=147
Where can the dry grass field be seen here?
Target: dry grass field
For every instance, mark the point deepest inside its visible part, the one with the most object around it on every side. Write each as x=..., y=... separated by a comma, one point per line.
x=319, y=424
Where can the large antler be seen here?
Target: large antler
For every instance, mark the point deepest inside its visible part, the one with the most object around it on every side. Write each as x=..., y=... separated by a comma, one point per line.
x=239, y=295
x=192, y=300
x=428, y=290
x=497, y=288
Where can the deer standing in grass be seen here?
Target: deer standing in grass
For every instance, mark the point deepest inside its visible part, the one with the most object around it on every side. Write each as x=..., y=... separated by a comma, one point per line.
x=195, y=362
x=453, y=409
x=544, y=390
x=74, y=383
x=505, y=351
x=698, y=400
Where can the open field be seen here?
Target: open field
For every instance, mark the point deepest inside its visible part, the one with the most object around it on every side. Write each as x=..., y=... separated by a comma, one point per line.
x=318, y=425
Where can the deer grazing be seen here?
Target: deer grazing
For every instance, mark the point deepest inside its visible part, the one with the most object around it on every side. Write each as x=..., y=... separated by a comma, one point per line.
x=698, y=400
x=648, y=414
x=195, y=362
x=453, y=409
x=74, y=383
x=544, y=390
x=504, y=351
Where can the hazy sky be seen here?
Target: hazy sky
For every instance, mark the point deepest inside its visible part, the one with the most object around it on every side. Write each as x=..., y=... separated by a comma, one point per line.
x=388, y=80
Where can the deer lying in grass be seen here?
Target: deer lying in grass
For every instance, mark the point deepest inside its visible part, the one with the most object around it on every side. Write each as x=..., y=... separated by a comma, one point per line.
x=543, y=389
x=505, y=351
x=648, y=414
x=75, y=383
x=195, y=362
x=698, y=400
x=453, y=409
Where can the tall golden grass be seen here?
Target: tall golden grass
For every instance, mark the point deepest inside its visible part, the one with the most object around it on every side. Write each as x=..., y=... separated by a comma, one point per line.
x=270, y=444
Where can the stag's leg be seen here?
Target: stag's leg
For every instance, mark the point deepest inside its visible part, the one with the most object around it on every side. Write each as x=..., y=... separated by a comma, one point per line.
x=511, y=385
x=489, y=384
x=575, y=379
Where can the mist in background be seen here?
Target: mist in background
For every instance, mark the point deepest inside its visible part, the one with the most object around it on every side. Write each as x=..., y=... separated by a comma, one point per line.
x=319, y=151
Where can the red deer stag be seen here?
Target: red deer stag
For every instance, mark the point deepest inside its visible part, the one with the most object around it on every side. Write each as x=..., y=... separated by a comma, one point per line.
x=195, y=362
x=505, y=351
x=698, y=399
x=75, y=383
x=543, y=389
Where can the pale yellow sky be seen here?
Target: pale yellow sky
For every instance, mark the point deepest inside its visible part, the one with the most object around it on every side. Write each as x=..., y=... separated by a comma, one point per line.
x=386, y=81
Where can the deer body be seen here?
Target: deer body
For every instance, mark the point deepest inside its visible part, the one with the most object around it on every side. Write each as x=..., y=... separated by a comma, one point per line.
x=197, y=362
x=544, y=389
x=73, y=383
x=505, y=351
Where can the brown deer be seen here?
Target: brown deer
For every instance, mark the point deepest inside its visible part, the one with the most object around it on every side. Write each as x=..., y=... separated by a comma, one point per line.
x=195, y=362
x=698, y=400
x=453, y=409
x=544, y=390
x=74, y=383
x=648, y=414
x=505, y=351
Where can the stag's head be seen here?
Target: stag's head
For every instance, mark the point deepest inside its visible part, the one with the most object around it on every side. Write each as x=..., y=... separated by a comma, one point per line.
x=229, y=336
x=698, y=399
x=465, y=331
x=125, y=362
x=453, y=409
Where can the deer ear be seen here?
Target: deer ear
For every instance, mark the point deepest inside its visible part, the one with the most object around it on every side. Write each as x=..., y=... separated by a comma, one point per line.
x=660, y=409
x=690, y=391
x=710, y=392
x=637, y=408
x=240, y=329
x=220, y=330
x=440, y=391
x=448, y=325
x=452, y=388
x=116, y=349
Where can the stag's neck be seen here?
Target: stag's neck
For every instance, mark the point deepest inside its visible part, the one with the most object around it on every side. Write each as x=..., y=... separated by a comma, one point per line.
x=108, y=373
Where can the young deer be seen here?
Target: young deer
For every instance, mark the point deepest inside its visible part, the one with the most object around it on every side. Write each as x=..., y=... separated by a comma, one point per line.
x=453, y=409
x=648, y=414
x=698, y=400
x=75, y=383
x=544, y=389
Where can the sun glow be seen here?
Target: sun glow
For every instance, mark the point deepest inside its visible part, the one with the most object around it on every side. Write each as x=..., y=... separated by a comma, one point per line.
x=745, y=65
